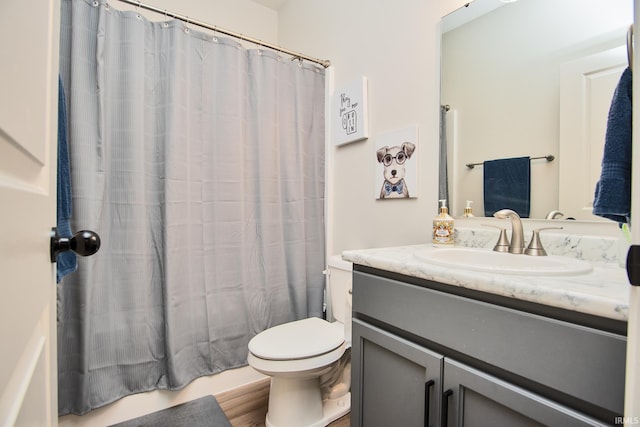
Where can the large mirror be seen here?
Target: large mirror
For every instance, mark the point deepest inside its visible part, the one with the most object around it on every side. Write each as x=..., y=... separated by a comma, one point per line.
x=531, y=78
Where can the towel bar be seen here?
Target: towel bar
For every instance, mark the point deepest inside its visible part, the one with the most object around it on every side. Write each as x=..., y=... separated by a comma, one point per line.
x=549, y=157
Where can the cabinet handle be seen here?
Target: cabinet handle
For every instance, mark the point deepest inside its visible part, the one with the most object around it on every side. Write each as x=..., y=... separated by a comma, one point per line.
x=445, y=407
x=427, y=399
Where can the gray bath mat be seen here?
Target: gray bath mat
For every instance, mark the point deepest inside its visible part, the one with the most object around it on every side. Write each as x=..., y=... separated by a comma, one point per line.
x=203, y=412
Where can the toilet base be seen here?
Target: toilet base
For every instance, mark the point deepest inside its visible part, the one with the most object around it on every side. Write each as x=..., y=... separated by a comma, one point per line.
x=298, y=402
x=336, y=408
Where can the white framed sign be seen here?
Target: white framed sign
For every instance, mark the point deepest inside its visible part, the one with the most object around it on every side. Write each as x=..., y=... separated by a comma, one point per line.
x=350, y=113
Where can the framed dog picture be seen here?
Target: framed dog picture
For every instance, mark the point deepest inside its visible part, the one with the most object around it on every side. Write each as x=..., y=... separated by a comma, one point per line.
x=396, y=164
x=350, y=115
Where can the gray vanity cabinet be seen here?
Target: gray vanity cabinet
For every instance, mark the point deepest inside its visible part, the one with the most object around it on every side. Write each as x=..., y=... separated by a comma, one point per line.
x=421, y=352
x=475, y=399
x=400, y=381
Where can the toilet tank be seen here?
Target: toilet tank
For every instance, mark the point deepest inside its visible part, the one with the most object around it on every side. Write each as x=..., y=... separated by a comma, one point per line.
x=340, y=288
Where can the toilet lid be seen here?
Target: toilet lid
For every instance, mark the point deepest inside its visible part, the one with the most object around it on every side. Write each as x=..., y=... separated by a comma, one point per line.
x=297, y=340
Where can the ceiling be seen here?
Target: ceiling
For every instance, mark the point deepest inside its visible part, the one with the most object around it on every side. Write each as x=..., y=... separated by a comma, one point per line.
x=272, y=4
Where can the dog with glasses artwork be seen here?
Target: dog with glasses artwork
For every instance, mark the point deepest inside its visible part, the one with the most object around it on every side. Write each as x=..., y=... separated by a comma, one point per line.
x=393, y=159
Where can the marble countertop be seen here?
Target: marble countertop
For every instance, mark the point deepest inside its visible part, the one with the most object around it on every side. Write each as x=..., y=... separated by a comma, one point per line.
x=603, y=292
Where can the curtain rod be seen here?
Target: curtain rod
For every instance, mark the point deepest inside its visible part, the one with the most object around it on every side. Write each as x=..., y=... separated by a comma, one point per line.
x=324, y=62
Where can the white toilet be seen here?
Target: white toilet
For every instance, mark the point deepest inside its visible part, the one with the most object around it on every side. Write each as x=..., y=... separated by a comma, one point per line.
x=309, y=360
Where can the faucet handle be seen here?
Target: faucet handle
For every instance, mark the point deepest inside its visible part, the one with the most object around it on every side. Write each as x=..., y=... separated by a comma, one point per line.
x=503, y=241
x=535, y=245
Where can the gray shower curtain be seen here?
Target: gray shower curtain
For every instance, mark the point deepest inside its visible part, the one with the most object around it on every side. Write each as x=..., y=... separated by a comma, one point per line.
x=201, y=165
x=443, y=180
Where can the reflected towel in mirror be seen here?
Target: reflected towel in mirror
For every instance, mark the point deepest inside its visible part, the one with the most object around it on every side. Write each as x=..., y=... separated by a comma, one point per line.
x=507, y=185
x=612, y=198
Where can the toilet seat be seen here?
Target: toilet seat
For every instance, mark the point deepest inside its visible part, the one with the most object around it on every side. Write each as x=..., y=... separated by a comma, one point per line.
x=302, y=349
x=302, y=339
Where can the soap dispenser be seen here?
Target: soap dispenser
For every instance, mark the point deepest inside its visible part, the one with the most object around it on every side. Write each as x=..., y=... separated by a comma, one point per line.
x=468, y=212
x=443, y=226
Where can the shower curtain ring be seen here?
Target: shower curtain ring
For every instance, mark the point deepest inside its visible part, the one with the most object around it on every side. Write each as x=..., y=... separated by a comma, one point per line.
x=138, y=11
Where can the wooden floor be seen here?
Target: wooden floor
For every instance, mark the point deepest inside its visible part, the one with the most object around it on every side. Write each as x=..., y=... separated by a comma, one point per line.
x=247, y=406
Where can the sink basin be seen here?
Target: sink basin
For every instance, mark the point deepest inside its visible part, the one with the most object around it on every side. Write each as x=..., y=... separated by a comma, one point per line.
x=503, y=263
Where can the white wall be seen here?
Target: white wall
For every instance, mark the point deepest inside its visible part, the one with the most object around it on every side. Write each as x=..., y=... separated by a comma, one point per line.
x=395, y=44
x=241, y=16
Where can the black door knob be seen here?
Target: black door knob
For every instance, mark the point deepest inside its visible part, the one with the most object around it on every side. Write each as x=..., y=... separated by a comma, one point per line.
x=83, y=243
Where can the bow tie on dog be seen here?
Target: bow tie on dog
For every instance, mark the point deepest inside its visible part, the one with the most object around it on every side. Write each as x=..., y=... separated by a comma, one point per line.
x=393, y=188
x=393, y=159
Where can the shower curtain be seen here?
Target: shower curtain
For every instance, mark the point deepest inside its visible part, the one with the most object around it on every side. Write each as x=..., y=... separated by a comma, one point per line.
x=443, y=180
x=201, y=165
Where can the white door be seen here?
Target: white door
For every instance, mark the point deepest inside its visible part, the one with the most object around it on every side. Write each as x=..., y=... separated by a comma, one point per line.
x=632, y=379
x=29, y=38
x=586, y=90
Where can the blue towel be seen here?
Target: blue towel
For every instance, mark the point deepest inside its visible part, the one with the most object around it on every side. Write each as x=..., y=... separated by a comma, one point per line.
x=66, y=261
x=613, y=191
x=507, y=185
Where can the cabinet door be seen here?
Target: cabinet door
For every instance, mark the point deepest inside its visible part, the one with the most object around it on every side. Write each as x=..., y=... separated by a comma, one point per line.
x=474, y=398
x=394, y=381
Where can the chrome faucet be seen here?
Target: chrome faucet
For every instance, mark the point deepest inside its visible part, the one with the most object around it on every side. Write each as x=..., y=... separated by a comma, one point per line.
x=517, y=234
x=554, y=215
